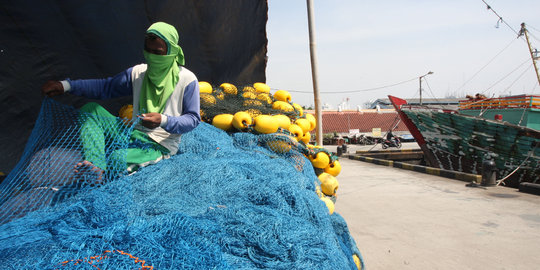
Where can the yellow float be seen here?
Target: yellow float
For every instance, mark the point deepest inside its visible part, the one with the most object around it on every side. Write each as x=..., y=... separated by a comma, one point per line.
x=282, y=95
x=320, y=160
x=261, y=87
x=282, y=106
x=357, y=262
x=329, y=204
x=264, y=97
x=241, y=120
x=228, y=88
x=265, y=124
x=248, y=89
x=303, y=123
x=306, y=138
x=318, y=190
x=205, y=87
x=252, y=102
x=254, y=112
x=298, y=108
x=283, y=121
x=280, y=144
x=208, y=100
x=312, y=121
x=126, y=113
x=249, y=95
x=311, y=146
x=297, y=132
x=329, y=184
x=333, y=168
x=223, y=121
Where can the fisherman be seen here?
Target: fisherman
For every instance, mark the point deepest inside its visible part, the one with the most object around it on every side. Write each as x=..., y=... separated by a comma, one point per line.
x=165, y=98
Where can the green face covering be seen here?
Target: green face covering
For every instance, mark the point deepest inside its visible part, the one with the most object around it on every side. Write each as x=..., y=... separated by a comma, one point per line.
x=162, y=71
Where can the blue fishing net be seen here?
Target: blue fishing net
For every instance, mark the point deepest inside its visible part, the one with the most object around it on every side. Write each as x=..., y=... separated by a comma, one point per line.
x=225, y=201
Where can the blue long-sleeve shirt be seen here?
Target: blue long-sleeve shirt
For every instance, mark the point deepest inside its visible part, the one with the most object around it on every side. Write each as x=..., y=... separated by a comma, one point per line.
x=121, y=85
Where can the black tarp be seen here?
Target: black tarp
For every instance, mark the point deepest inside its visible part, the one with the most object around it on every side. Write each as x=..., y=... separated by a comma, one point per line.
x=223, y=41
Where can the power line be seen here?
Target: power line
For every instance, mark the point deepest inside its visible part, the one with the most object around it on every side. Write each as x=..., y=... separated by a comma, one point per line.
x=524, y=62
x=519, y=77
x=532, y=27
x=534, y=88
x=500, y=18
x=432, y=94
x=533, y=36
x=492, y=59
x=351, y=91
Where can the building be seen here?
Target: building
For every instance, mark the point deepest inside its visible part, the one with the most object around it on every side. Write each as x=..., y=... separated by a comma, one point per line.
x=368, y=122
x=442, y=103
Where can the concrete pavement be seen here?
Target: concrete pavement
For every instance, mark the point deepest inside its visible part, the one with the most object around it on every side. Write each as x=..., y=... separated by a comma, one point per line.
x=403, y=219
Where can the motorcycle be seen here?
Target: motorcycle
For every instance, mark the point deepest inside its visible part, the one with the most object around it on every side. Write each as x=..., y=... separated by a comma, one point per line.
x=395, y=142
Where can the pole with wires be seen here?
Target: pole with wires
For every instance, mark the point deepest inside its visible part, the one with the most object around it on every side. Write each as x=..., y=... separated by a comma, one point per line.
x=420, y=81
x=524, y=32
x=318, y=107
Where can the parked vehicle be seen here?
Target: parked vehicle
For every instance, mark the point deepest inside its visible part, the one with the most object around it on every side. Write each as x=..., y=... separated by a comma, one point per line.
x=395, y=142
x=406, y=138
x=365, y=140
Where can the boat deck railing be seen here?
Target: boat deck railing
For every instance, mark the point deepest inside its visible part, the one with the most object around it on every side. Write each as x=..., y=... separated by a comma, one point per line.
x=531, y=101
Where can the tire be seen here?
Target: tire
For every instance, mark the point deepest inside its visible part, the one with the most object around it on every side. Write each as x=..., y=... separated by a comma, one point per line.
x=384, y=145
x=398, y=144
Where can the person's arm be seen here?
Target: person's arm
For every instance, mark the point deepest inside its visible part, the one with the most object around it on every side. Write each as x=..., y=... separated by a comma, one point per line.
x=117, y=86
x=190, y=117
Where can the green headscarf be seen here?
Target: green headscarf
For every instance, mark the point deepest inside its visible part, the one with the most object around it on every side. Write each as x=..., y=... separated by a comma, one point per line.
x=162, y=71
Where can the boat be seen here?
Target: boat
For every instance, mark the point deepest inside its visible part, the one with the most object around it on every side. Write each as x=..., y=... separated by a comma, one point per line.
x=481, y=131
x=455, y=141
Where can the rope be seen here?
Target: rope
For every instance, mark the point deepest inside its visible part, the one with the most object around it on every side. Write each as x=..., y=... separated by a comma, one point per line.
x=506, y=177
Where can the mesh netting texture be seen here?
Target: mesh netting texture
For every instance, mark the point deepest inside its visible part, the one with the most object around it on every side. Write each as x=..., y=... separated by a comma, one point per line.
x=45, y=174
x=225, y=201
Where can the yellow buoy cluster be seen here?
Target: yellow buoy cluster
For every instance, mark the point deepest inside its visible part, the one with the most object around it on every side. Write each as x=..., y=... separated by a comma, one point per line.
x=253, y=108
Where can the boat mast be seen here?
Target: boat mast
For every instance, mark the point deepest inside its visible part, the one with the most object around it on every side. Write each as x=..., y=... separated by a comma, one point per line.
x=524, y=32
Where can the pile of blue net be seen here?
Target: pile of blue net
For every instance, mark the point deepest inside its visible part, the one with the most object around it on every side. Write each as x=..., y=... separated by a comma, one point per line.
x=223, y=202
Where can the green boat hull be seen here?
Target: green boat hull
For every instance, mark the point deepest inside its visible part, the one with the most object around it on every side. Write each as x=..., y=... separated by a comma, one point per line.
x=461, y=143
x=522, y=117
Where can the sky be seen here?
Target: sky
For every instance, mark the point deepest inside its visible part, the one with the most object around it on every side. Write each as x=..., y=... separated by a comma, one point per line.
x=362, y=46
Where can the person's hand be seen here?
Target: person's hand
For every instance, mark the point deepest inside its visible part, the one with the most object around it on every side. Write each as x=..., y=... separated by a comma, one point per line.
x=52, y=88
x=151, y=120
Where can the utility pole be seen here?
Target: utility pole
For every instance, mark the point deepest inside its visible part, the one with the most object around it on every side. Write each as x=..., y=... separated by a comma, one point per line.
x=420, y=87
x=318, y=108
x=420, y=81
x=524, y=32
